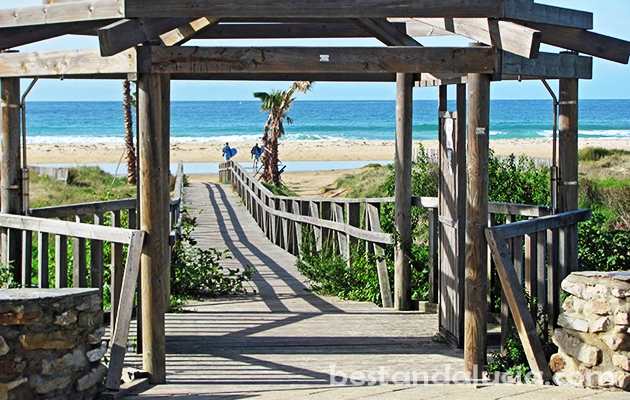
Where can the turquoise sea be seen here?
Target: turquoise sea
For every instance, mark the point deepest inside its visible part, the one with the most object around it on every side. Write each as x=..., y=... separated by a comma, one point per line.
x=98, y=122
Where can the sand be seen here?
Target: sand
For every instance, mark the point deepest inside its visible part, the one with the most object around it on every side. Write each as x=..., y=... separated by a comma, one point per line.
x=289, y=150
x=305, y=184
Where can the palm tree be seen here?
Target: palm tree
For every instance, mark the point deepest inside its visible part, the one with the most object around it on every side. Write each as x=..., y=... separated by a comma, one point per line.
x=129, y=143
x=278, y=104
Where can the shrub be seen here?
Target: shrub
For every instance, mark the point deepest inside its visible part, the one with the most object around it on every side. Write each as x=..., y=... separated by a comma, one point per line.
x=197, y=273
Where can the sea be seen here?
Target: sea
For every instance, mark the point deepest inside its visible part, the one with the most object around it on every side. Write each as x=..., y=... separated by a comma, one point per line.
x=231, y=121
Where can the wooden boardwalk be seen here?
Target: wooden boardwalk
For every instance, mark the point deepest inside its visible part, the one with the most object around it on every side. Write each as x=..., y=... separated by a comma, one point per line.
x=284, y=342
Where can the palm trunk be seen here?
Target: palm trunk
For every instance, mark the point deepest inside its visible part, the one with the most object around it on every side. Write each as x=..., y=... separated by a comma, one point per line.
x=132, y=172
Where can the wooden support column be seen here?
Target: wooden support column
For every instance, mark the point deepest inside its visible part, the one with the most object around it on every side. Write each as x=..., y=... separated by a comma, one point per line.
x=476, y=282
x=10, y=200
x=568, y=163
x=154, y=219
x=402, y=272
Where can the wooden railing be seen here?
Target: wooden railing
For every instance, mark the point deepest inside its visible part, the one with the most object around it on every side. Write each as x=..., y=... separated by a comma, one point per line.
x=548, y=246
x=351, y=220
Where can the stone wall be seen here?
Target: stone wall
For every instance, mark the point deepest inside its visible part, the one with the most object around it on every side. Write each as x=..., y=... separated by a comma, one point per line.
x=594, y=341
x=50, y=344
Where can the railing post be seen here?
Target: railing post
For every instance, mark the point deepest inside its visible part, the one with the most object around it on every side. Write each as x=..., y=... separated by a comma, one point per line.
x=354, y=219
x=116, y=272
x=79, y=277
x=61, y=261
x=433, y=257
x=42, y=260
x=96, y=259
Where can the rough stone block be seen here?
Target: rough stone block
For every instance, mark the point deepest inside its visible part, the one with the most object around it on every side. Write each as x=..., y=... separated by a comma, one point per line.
x=557, y=363
x=5, y=387
x=69, y=363
x=95, y=376
x=97, y=354
x=43, y=385
x=621, y=361
x=600, y=325
x=4, y=347
x=622, y=380
x=49, y=341
x=66, y=318
x=622, y=318
x=12, y=367
x=589, y=355
x=20, y=318
x=620, y=292
x=599, y=307
x=573, y=323
x=90, y=319
x=96, y=337
x=616, y=341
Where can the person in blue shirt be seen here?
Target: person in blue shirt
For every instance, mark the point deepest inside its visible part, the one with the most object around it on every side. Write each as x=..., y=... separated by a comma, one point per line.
x=227, y=152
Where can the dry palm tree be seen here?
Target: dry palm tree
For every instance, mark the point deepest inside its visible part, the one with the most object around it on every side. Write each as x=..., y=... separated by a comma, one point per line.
x=129, y=143
x=278, y=104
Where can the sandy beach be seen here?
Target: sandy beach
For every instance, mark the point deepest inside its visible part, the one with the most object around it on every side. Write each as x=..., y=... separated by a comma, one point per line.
x=289, y=150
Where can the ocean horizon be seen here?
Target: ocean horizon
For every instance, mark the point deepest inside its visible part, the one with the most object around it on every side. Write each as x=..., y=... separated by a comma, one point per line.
x=235, y=121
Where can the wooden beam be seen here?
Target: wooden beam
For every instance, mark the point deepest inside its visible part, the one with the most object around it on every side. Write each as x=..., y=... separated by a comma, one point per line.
x=307, y=8
x=386, y=32
x=186, y=32
x=402, y=208
x=515, y=9
x=286, y=30
x=551, y=66
x=13, y=37
x=291, y=77
x=583, y=41
x=66, y=62
x=505, y=35
x=476, y=281
x=315, y=59
x=127, y=33
x=62, y=12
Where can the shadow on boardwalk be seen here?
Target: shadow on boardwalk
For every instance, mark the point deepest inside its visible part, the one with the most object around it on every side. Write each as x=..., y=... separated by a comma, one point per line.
x=285, y=342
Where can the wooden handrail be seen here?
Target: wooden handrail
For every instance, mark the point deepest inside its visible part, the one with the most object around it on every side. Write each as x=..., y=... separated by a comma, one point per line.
x=71, y=210
x=542, y=224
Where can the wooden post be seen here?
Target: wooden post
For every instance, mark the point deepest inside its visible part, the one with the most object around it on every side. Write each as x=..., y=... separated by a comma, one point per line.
x=476, y=283
x=568, y=160
x=11, y=173
x=166, y=151
x=404, y=144
x=154, y=220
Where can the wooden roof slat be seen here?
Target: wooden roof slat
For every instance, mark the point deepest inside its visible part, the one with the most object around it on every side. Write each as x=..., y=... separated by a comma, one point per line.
x=62, y=12
x=586, y=42
x=505, y=35
x=314, y=59
x=22, y=35
x=127, y=33
x=300, y=30
x=186, y=32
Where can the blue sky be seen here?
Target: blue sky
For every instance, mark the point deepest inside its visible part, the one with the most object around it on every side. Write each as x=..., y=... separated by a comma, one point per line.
x=611, y=80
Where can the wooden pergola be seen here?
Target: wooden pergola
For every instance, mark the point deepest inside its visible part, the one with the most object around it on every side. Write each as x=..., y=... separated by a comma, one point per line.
x=143, y=40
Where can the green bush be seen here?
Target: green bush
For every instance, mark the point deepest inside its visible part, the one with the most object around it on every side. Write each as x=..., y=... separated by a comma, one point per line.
x=196, y=273
x=601, y=248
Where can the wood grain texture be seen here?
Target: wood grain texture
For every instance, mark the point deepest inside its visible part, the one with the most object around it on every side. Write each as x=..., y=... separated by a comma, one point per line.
x=188, y=31
x=126, y=33
x=313, y=59
x=318, y=9
x=62, y=12
x=71, y=210
x=317, y=30
x=534, y=12
x=476, y=281
x=18, y=36
x=66, y=62
x=505, y=35
x=402, y=191
x=123, y=315
x=584, y=41
x=154, y=220
x=518, y=306
x=374, y=224
x=547, y=65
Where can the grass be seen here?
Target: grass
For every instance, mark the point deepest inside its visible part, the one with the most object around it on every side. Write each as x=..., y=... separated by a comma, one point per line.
x=368, y=183
x=280, y=190
x=85, y=184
